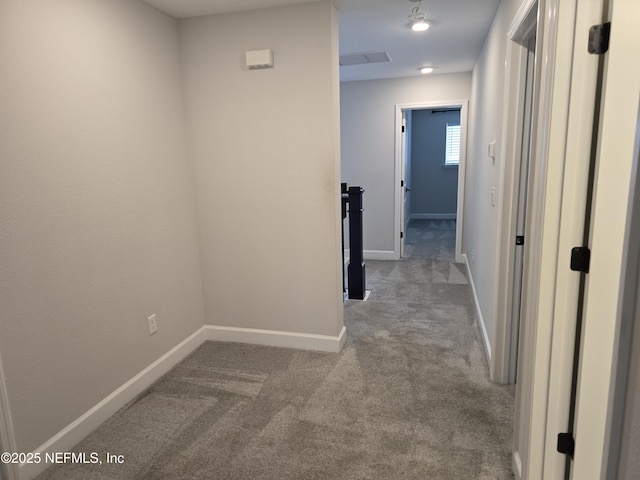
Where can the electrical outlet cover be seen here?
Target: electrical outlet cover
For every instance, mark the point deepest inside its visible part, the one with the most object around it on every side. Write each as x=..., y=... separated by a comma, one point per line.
x=153, y=325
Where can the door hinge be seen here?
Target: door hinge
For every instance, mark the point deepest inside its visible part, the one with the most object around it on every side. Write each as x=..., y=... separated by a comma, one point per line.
x=402, y=183
x=401, y=234
x=580, y=259
x=566, y=443
x=402, y=128
x=519, y=239
x=599, y=38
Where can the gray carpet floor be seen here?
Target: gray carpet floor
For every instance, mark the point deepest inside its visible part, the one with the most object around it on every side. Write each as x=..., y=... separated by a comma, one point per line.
x=408, y=397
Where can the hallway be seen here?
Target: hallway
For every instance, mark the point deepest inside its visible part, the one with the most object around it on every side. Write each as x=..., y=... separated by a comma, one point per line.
x=407, y=398
x=421, y=314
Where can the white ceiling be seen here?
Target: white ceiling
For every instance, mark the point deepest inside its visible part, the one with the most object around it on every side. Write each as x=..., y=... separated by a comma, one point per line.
x=451, y=45
x=198, y=8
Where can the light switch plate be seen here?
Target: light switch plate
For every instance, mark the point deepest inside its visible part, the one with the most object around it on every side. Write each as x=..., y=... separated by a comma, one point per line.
x=492, y=149
x=153, y=324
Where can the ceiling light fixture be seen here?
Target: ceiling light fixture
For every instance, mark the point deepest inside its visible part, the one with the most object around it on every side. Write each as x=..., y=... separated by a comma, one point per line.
x=418, y=20
x=426, y=70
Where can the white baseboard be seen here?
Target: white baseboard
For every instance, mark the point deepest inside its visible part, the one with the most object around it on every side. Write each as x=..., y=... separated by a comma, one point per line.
x=517, y=466
x=380, y=255
x=273, y=338
x=71, y=435
x=483, y=328
x=433, y=216
x=373, y=255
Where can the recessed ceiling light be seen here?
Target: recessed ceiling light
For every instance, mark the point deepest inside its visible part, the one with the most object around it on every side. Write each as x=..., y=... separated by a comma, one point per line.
x=426, y=70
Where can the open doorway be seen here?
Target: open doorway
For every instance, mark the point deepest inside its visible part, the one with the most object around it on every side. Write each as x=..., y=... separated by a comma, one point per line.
x=432, y=158
x=405, y=181
x=523, y=162
x=517, y=145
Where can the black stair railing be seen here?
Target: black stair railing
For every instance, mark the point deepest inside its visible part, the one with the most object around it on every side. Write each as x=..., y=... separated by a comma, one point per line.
x=352, y=197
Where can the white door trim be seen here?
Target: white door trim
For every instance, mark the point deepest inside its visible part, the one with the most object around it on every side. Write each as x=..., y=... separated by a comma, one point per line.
x=399, y=169
x=575, y=193
x=567, y=94
x=403, y=184
x=501, y=370
x=610, y=207
x=554, y=59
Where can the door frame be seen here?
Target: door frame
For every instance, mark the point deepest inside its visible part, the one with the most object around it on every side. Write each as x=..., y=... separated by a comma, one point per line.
x=404, y=185
x=626, y=346
x=567, y=96
x=399, y=174
x=611, y=206
x=503, y=365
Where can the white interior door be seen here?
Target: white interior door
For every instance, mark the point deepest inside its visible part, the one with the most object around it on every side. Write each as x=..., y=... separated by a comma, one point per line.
x=610, y=220
x=406, y=191
x=521, y=216
x=517, y=138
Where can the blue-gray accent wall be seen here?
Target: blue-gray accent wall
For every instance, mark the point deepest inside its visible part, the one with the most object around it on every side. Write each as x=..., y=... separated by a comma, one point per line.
x=434, y=187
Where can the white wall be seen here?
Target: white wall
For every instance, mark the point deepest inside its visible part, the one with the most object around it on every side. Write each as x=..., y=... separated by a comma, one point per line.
x=96, y=205
x=265, y=145
x=482, y=174
x=367, y=110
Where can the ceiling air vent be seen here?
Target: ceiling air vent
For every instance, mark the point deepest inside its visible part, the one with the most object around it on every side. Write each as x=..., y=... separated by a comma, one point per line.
x=364, y=57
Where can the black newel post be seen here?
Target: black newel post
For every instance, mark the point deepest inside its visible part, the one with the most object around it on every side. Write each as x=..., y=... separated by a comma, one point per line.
x=345, y=199
x=356, y=269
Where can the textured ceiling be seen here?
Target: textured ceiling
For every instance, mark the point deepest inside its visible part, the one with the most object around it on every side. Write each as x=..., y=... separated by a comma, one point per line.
x=452, y=44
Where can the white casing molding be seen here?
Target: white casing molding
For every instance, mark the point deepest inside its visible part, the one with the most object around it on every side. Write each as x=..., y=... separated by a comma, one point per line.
x=399, y=169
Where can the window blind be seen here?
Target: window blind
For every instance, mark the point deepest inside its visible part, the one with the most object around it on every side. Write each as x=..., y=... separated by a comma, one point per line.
x=452, y=149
